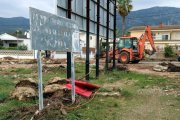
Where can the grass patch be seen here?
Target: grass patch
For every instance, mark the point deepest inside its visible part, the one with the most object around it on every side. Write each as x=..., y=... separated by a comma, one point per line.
x=22, y=70
x=100, y=108
x=126, y=93
x=97, y=109
x=6, y=85
x=11, y=104
x=141, y=80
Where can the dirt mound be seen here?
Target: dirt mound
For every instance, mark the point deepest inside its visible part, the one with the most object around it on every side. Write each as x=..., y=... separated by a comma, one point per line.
x=51, y=111
x=122, y=67
x=23, y=93
x=33, y=61
x=25, y=89
x=57, y=80
x=29, y=82
x=169, y=67
x=53, y=88
x=54, y=61
x=8, y=58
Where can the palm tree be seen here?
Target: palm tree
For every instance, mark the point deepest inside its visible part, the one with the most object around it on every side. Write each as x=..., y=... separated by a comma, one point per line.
x=124, y=8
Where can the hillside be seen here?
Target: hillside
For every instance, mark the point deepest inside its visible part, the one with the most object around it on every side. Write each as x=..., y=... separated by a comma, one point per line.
x=12, y=24
x=151, y=16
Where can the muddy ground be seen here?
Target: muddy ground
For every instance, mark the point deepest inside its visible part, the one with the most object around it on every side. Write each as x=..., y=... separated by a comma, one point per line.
x=142, y=67
x=151, y=96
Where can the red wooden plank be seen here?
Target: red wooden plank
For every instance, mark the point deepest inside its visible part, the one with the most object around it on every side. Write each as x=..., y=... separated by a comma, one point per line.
x=82, y=91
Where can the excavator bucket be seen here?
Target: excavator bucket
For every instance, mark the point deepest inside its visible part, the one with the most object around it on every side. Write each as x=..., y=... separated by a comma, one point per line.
x=149, y=52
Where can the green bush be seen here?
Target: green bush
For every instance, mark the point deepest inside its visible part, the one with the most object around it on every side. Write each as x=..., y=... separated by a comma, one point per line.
x=1, y=47
x=8, y=48
x=22, y=47
x=168, y=51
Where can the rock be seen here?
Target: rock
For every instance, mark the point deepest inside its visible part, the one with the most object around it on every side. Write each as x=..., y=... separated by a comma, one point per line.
x=165, y=66
x=111, y=94
x=12, y=63
x=56, y=80
x=53, y=88
x=160, y=68
x=23, y=93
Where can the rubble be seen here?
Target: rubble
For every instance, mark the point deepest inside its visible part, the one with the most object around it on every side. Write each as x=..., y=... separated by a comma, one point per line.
x=169, y=67
x=160, y=68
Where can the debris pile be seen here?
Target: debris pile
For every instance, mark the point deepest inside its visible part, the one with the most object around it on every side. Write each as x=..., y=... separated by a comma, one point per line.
x=25, y=89
x=169, y=67
x=57, y=94
x=53, y=111
x=55, y=85
x=122, y=67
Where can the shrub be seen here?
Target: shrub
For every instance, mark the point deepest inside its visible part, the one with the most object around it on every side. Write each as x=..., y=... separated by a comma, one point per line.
x=168, y=51
x=22, y=47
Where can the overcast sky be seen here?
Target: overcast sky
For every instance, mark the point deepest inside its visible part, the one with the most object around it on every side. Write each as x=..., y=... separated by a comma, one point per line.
x=16, y=8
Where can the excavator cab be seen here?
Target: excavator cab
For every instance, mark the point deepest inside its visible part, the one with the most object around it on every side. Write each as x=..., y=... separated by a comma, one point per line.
x=127, y=42
x=128, y=47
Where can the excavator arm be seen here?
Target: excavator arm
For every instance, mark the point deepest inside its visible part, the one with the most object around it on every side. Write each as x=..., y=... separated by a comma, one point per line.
x=142, y=40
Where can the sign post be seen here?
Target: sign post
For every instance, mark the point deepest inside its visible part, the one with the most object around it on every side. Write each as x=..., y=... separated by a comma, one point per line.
x=72, y=78
x=40, y=83
x=52, y=32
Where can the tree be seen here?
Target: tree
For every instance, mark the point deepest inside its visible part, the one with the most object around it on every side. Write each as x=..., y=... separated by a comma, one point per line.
x=124, y=8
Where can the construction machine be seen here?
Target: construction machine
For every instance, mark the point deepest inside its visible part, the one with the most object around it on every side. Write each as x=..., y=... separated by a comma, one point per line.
x=131, y=49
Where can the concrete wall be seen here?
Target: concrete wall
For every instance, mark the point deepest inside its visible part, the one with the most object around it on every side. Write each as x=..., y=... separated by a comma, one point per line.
x=175, y=35
x=27, y=42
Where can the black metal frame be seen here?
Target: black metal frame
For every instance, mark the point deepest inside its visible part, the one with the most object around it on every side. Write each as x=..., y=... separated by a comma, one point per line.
x=114, y=40
x=107, y=36
x=88, y=20
x=87, y=37
x=69, y=53
x=97, y=43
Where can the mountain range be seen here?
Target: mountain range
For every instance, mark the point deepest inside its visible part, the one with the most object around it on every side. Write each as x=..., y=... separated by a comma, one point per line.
x=150, y=16
x=10, y=25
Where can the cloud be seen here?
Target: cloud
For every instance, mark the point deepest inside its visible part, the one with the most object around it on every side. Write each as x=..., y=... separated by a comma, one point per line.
x=14, y=8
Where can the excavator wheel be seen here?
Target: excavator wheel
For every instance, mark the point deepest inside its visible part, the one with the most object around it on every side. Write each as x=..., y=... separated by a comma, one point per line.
x=124, y=57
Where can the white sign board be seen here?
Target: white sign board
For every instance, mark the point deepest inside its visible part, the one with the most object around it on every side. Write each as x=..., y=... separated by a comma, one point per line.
x=52, y=32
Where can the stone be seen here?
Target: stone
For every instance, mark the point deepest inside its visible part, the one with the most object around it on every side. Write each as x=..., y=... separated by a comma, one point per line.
x=53, y=88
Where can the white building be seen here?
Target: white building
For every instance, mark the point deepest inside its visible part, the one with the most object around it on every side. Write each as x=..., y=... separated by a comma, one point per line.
x=7, y=40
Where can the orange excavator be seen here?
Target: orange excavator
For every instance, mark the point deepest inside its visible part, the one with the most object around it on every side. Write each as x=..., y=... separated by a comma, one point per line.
x=131, y=49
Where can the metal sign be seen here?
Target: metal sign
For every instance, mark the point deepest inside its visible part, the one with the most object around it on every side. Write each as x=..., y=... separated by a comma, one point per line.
x=79, y=15
x=52, y=32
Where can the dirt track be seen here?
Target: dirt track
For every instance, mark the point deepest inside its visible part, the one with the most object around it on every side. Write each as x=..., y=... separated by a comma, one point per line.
x=147, y=68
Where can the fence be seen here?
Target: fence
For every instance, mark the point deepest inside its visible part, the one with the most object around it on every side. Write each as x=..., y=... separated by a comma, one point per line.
x=18, y=54
x=32, y=54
